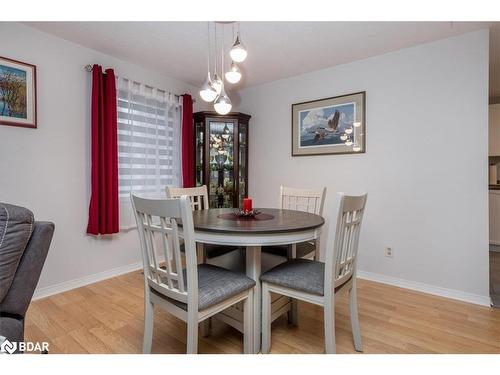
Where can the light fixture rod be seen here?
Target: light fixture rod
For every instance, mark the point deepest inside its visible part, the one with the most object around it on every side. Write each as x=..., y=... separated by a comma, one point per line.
x=215, y=47
x=222, y=54
x=208, y=52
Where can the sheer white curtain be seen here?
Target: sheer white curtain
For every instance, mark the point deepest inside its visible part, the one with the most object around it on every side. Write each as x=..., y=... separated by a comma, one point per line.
x=149, y=128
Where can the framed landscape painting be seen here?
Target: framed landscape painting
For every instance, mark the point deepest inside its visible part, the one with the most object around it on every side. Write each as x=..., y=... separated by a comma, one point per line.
x=329, y=126
x=17, y=93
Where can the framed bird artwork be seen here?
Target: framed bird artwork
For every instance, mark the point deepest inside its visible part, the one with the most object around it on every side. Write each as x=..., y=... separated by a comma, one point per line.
x=329, y=126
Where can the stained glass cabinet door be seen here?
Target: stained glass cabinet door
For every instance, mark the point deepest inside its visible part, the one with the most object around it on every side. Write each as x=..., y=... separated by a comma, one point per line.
x=221, y=147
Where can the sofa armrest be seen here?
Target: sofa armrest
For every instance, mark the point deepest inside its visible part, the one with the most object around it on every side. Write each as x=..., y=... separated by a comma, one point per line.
x=18, y=298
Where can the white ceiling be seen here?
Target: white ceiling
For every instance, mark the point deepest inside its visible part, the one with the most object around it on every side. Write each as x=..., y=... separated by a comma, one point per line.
x=276, y=49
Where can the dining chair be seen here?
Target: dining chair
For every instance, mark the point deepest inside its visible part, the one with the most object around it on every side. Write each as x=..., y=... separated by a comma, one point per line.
x=317, y=282
x=199, y=201
x=197, y=195
x=308, y=200
x=192, y=294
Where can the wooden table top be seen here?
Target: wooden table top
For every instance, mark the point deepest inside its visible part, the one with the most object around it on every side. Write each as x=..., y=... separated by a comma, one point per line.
x=283, y=221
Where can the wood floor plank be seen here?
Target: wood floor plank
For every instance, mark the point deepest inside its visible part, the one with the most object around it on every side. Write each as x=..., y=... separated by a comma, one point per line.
x=107, y=317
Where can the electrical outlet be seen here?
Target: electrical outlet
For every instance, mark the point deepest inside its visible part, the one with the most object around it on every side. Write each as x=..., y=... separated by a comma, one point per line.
x=388, y=252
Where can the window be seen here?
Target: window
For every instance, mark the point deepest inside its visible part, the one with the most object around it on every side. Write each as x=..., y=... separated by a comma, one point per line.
x=148, y=143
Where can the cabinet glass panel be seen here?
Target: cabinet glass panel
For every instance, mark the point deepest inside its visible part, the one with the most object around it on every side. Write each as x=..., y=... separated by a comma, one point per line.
x=199, y=134
x=242, y=160
x=221, y=156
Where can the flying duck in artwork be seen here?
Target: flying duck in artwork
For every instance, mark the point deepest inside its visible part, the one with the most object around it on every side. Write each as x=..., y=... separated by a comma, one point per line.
x=333, y=123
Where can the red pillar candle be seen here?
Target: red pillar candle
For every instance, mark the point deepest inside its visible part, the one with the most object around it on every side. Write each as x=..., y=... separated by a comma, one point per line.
x=247, y=204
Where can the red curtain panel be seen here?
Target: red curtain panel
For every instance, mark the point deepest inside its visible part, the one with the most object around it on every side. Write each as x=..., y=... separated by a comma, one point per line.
x=103, y=208
x=188, y=179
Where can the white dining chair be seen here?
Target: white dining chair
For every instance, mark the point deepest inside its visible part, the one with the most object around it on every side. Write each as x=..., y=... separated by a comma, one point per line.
x=197, y=195
x=307, y=200
x=199, y=201
x=317, y=282
x=195, y=293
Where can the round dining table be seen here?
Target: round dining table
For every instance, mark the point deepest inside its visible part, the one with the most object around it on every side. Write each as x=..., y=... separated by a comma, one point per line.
x=269, y=227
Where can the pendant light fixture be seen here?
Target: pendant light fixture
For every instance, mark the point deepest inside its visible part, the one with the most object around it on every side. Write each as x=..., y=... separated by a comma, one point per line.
x=222, y=104
x=216, y=81
x=234, y=74
x=213, y=89
x=207, y=92
x=238, y=52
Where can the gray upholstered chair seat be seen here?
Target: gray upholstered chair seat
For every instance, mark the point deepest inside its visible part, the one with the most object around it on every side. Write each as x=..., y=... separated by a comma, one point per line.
x=300, y=274
x=214, y=251
x=215, y=284
x=303, y=250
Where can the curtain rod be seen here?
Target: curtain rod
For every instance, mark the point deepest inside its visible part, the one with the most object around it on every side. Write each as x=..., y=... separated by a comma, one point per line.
x=89, y=68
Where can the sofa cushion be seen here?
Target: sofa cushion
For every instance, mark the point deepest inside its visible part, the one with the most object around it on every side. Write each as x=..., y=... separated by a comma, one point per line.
x=12, y=329
x=16, y=226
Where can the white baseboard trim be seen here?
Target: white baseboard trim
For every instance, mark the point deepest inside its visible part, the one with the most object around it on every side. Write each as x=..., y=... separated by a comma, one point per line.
x=85, y=280
x=426, y=288
x=402, y=283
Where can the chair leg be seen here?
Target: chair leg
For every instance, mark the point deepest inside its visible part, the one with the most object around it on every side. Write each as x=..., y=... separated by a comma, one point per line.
x=148, y=326
x=317, y=253
x=205, y=327
x=353, y=308
x=192, y=333
x=266, y=319
x=329, y=312
x=293, y=315
x=248, y=322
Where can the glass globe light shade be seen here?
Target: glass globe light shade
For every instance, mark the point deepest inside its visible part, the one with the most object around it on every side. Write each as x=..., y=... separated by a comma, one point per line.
x=207, y=92
x=223, y=104
x=356, y=147
x=234, y=74
x=348, y=131
x=356, y=124
x=343, y=137
x=348, y=142
x=238, y=52
x=217, y=83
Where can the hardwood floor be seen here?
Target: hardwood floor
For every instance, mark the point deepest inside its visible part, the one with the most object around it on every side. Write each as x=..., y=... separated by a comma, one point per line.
x=107, y=317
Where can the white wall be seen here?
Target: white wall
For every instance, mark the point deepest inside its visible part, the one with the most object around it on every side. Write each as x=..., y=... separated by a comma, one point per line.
x=425, y=169
x=47, y=169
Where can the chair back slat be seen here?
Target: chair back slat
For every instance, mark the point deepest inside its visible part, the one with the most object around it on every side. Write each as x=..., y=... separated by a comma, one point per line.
x=167, y=254
x=307, y=200
x=198, y=195
x=159, y=217
x=342, y=249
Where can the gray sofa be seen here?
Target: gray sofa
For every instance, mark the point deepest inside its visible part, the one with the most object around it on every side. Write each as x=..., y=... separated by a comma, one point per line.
x=24, y=244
